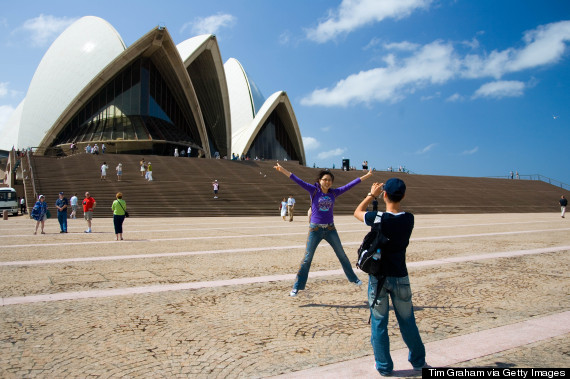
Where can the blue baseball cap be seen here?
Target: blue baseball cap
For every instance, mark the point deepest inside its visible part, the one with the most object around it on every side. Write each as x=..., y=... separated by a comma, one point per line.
x=395, y=186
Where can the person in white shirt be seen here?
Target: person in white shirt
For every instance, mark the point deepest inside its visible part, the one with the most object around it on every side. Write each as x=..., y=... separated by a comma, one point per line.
x=73, y=203
x=104, y=168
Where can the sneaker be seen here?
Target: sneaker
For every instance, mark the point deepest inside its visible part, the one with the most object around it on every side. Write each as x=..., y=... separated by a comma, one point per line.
x=293, y=293
x=425, y=365
x=358, y=283
x=88, y=231
x=384, y=373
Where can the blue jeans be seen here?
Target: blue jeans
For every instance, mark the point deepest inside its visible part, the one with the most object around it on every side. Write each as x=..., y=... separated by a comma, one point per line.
x=401, y=295
x=62, y=218
x=318, y=233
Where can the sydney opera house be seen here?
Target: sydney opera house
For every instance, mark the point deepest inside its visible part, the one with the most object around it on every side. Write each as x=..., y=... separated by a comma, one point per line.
x=151, y=97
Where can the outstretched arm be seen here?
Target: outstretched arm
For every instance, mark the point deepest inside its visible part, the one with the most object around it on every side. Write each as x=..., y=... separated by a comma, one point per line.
x=375, y=191
x=366, y=176
x=282, y=170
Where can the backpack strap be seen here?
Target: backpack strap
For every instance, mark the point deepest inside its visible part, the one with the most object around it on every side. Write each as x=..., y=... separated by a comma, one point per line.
x=379, y=286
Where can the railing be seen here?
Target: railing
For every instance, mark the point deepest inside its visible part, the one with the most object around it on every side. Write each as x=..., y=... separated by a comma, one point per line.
x=542, y=178
x=31, y=176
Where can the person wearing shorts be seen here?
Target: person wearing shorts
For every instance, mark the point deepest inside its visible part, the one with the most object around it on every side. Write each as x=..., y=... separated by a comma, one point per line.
x=89, y=204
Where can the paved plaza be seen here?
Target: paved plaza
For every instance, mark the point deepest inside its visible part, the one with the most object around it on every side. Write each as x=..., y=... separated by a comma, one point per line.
x=208, y=298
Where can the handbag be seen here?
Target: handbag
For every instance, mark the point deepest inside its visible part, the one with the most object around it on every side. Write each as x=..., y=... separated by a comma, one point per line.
x=126, y=213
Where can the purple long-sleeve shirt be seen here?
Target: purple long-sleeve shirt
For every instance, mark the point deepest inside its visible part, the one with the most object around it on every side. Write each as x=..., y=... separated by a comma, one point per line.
x=322, y=204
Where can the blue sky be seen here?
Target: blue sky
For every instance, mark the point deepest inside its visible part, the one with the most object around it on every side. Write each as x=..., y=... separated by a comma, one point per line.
x=442, y=87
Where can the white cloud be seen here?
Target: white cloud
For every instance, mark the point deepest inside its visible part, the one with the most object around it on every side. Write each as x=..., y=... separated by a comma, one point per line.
x=543, y=46
x=285, y=37
x=431, y=97
x=210, y=24
x=403, y=46
x=353, y=14
x=373, y=42
x=5, y=113
x=310, y=143
x=455, y=97
x=45, y=28
x=331, y=153
x=3, y=89
x=471, y=152
x=426, y=149
x=410, y=67
x=433, y=63
x=500, y=89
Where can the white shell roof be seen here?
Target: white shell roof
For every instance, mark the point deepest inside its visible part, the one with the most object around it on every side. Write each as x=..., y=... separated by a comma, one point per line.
x=188, y=47
x=9, y=131
x=70, y=63
x=242, y=140
x=241, y=104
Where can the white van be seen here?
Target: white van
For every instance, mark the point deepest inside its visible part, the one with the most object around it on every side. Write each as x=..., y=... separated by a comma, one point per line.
x=8, y=200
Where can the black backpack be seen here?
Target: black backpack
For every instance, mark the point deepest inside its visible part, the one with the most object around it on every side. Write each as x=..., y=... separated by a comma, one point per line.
x=370, y=255
x=370, y=251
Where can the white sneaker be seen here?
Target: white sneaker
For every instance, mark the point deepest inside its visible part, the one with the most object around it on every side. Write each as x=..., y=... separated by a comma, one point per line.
x=358, y=283
x=293, y=293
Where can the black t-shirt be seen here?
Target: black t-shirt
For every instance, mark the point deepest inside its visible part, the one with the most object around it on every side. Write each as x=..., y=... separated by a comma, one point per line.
x=563, y=202
x=398, y=228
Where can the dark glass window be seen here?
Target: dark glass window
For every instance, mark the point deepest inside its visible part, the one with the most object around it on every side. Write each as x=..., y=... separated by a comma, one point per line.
x=273, y=141
x=137, y=104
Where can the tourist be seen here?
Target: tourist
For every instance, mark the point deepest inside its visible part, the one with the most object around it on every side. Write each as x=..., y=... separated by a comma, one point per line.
x=61, y=204
x=39, y=213
x=290, y=207
x=216, y=187
x=119, y=208
x=73, y=202
x=321, y=225
x=283, y=208
x=393, y=278
x=119, y=170
x=89, y=204
x=104, y=168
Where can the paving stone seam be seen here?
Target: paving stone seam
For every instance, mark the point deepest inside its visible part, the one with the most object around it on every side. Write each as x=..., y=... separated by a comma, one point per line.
x=251, y=280
x=281, y=226
x=451, y=351
x=187, y=253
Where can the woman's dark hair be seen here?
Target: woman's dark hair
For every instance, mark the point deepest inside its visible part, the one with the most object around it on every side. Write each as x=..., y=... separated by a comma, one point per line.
x=323, y=173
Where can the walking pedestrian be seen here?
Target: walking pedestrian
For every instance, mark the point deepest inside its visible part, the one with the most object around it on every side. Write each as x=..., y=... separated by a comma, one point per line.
x=563, y=204
x=283, y=208
x=216, y=187
x=149, y=172
x=321, y=226
x=73, y=202
x=291, y=207
x=119, y=170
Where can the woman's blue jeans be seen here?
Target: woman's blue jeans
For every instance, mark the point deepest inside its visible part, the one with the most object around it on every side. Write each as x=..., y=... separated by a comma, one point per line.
x=318, y=233
x=401, y=295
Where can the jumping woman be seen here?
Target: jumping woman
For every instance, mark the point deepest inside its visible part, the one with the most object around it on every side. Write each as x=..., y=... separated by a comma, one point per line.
x=322, y=223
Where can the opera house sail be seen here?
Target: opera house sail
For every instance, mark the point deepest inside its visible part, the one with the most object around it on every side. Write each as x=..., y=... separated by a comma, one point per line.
x=151, y=97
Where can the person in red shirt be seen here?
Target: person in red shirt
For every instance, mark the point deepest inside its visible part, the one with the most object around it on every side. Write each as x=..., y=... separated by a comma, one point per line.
x=88, y=207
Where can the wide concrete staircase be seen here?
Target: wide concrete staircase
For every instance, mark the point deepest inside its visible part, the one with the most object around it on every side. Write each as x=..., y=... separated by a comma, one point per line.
x=183, y=187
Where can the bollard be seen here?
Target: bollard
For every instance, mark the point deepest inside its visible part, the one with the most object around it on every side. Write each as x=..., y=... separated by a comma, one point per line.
x=5, y=214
